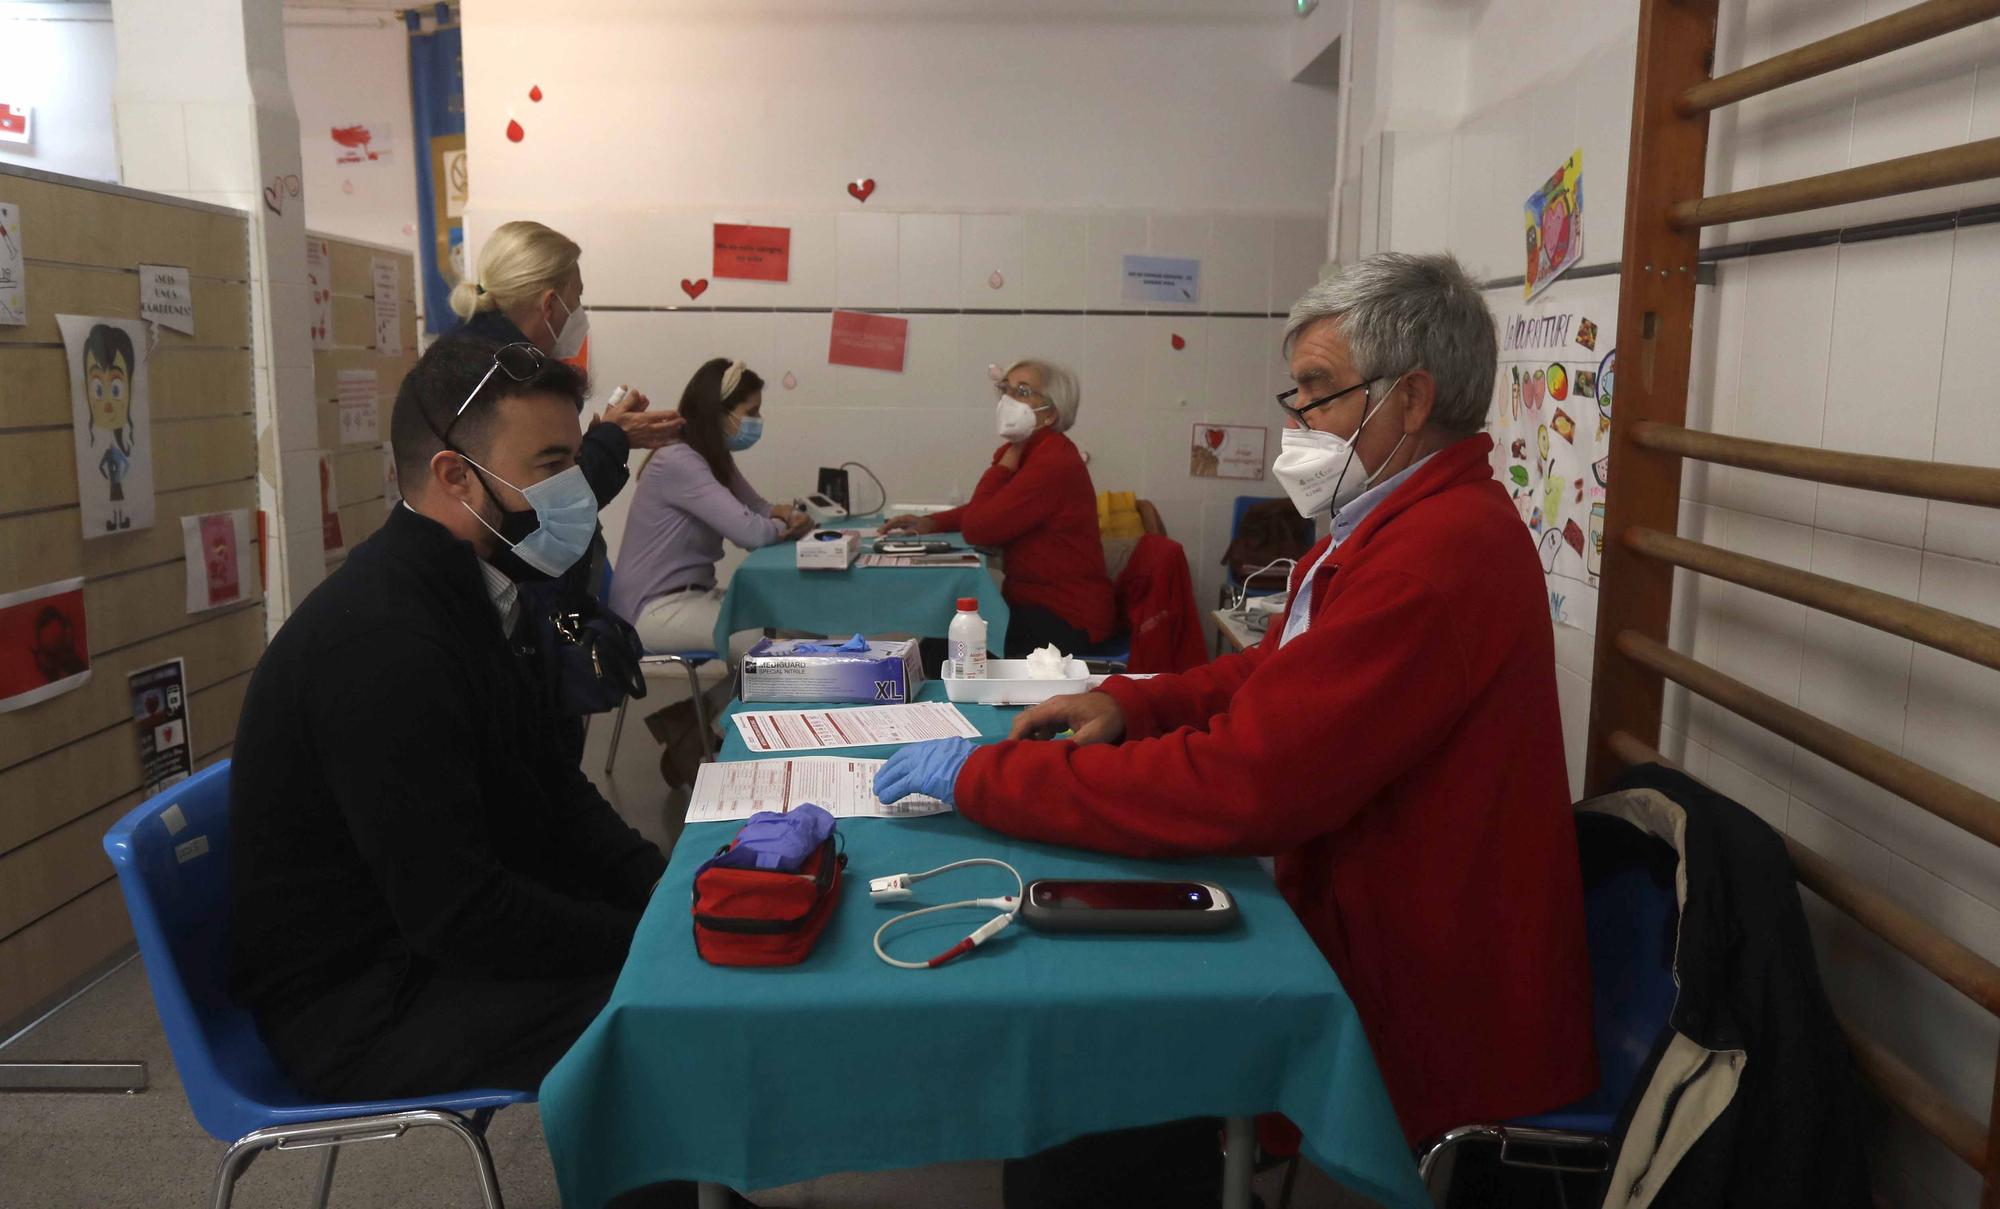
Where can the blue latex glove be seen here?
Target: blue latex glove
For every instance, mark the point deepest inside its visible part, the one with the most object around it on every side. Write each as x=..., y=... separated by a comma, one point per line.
x=929, y=768
x=854, y=645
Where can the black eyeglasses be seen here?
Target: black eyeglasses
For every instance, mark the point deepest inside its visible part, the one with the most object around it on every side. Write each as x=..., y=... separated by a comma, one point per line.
x=518, y=361
x=1299, y=413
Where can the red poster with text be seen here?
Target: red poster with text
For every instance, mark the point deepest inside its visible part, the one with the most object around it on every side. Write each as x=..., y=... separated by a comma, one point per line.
x=44, y=649
x=868, y=341
x=753, y=253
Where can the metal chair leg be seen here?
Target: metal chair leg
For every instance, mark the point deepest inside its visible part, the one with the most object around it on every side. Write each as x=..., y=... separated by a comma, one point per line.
x=235, y=1162
x=617, y=729
x=325, y=1177
x=700, y=710
x=331, y=1135
x=482, y=1157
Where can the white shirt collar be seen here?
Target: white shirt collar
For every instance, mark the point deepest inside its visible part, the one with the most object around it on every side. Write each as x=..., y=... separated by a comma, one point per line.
x=1345, y=522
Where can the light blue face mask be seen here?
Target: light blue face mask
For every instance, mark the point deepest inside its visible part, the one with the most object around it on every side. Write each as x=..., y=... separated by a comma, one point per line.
x=550, y=539
x=748, y=429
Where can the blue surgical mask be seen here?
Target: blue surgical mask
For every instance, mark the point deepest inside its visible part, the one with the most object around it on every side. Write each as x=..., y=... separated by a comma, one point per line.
x=748, y=429
x=550, y=540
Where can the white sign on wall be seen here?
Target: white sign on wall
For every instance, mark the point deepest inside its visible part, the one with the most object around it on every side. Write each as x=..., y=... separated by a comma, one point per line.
x=166, y=298
x=388, y=308
x=13, y=279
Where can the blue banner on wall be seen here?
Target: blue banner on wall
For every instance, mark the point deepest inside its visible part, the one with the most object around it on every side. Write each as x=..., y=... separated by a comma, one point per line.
x=437, y=106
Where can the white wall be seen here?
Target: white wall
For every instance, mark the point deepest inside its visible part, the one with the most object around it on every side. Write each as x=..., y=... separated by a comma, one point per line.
x=1045, y=150
x=1883, y=347
x=349, y=69
x=59, y=59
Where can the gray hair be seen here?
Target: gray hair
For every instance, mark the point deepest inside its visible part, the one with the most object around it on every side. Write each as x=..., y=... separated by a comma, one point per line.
x=1059, y=385
x=1399, y=312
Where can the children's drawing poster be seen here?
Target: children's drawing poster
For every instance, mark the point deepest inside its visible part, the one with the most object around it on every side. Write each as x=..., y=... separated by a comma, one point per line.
x=112, y=421
x=44, y=649
x=13, y=278
x=1551, y=425
x=218, y=546
x=1555, y=225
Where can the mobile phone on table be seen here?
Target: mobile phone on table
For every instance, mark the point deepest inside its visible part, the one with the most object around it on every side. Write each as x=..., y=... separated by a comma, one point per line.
x=1121, y=905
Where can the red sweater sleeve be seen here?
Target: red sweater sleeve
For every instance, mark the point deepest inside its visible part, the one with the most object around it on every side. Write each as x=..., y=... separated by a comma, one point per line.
x=1309, y=737
x=1160, y=704
x=1009, y=503
x=951, y=520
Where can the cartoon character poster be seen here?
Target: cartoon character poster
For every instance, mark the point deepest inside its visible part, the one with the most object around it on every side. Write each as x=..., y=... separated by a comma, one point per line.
x=1554, y=216
x=44, y=649
x=113, y=423
x=1551, y=441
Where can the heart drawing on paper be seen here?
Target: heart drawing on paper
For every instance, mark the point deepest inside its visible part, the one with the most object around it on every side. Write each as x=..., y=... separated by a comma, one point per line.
x=1179, y=342
x=694, y=289
x=274, y=196
x=1214, y=436
x=790, y=380
x=862, y=188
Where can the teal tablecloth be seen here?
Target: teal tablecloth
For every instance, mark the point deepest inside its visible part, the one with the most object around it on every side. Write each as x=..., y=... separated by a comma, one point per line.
x=761, y=1077
x=769, y=590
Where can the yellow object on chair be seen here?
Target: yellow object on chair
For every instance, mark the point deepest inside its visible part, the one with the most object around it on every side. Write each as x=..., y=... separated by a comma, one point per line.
x=1118, y=514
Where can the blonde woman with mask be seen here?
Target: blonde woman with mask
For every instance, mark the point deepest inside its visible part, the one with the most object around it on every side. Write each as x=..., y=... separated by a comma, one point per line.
x=529, y=290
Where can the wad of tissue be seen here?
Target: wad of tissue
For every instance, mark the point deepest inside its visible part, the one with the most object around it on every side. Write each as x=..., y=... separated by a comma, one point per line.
x=1047, y=664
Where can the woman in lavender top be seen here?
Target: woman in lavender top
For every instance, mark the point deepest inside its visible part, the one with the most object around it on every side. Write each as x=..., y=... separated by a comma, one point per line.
x=690, y=497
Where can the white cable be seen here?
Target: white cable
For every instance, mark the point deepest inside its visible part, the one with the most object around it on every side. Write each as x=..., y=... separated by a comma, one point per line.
x=897, y=887
x=1243, y=593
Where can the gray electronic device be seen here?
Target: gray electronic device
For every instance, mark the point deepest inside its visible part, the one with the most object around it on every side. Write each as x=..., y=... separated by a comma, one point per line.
x=1122, y=905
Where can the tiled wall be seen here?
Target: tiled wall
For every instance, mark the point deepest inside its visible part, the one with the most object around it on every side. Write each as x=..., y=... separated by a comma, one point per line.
x=928, y=432
x=1889, y=347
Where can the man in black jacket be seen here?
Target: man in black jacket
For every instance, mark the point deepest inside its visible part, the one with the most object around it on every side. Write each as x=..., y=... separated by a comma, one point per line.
x=428, y=896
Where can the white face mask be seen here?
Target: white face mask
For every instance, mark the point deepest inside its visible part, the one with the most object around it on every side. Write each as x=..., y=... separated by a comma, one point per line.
x=1312, y=466
x=576, y=326
x=1016, y=420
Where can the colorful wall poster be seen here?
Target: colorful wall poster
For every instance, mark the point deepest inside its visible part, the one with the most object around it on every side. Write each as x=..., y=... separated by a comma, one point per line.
x=160, y=719
x=1551, y=426
x=388, y=307
x=44, y=646
x=362, y=143
x=1227, y=451
x=319, y=281
x=1554, y=216
x=166, y=298
x=753, y=253
x=359, y=394
x=112, y=421
x=13, y=273
x=17, y=123
x=1162, y=279
x=868, y=341
x=217, y=546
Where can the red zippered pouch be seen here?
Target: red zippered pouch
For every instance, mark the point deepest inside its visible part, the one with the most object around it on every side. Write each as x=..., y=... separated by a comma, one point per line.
x=765, y=917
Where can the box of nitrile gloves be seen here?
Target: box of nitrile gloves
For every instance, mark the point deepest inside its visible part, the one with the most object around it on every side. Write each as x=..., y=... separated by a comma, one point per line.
x=871, y=673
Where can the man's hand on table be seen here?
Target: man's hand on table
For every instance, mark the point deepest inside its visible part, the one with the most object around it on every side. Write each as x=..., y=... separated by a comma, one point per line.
x=1089, y=717
x=929, y=768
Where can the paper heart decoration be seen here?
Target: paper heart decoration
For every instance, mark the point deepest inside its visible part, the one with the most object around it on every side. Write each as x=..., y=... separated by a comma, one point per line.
x=694, y=289
x=514, y=132
x=790, y=380
x=535, y=93
x=996, y=374
x=862, y=189
x=1214, y=437
x=274, y=196
x=1179, y=343
x=996, y=281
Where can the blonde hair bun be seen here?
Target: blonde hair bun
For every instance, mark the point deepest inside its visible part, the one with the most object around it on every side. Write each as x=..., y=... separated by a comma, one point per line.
x=516, y=263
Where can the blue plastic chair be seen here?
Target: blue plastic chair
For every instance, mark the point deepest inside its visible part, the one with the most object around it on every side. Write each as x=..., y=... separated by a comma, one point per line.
x=1233, y=583
x=172, y=856
x=1630, y=920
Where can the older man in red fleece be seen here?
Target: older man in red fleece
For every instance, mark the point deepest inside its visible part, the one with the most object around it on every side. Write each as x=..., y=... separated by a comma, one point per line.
x=1393, y=742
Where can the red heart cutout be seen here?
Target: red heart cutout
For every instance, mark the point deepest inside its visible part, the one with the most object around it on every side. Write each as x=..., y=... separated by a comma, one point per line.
x=514, y=132
x=861, y=189
x=535, y=93
x=1178, y=342
x=694, y=289
x=274, y=198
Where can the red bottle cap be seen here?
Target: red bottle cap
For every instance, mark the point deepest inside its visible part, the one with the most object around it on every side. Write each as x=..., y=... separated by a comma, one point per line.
x=968, y=604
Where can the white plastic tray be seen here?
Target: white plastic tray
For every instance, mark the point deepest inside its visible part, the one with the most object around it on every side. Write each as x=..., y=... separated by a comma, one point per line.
x=1007, y=683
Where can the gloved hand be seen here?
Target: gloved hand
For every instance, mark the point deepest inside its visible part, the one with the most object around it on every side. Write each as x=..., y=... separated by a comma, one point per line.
x=929, y=768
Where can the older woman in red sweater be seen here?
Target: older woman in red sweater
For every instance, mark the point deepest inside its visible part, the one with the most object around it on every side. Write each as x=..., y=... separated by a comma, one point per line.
x=1036, y=502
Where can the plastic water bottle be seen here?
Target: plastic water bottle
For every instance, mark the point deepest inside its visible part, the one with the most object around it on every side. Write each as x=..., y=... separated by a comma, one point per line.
x=966, y=639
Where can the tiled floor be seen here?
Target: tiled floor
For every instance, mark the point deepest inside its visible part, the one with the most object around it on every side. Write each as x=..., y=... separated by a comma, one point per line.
x=145, y=1151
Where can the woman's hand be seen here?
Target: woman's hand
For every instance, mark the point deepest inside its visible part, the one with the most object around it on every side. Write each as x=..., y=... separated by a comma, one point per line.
x=644, y=429
x=797, y=525
x=1011, y=458
x=908, y=523
x=1089, y=717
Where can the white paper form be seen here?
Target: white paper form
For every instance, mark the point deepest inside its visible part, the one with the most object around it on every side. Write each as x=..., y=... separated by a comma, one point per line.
x=861, y=726
x=842, y=787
